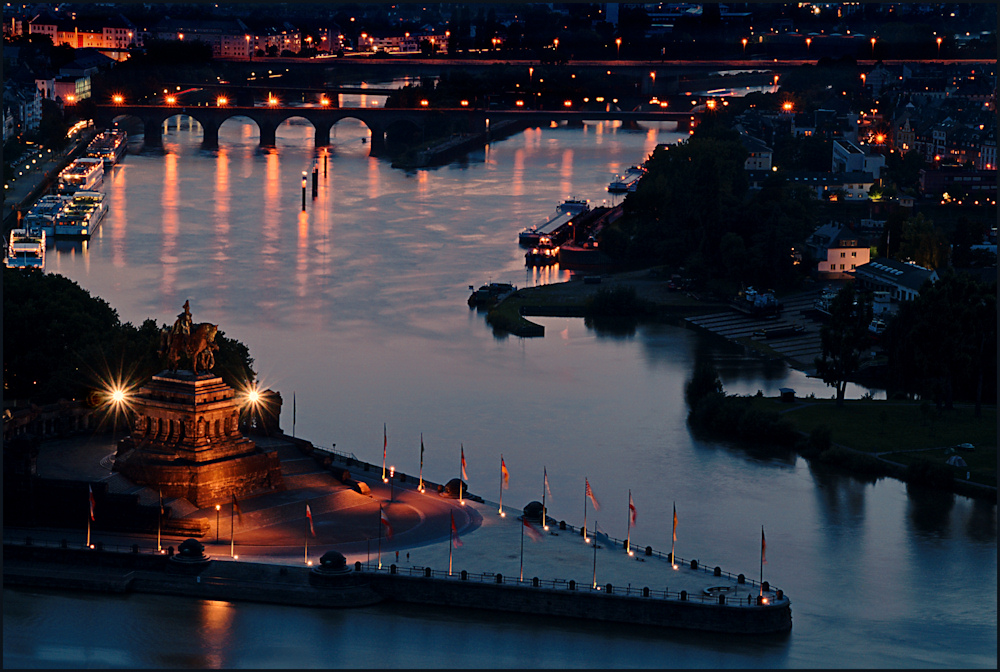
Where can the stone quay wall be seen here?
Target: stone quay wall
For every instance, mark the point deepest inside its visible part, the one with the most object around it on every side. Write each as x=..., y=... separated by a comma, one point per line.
x=110, y=571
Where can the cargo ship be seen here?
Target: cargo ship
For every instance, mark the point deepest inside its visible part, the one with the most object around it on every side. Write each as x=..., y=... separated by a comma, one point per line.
x=563, y=216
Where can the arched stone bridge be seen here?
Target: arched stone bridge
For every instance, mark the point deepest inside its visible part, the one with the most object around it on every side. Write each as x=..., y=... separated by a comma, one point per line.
x=378, y=120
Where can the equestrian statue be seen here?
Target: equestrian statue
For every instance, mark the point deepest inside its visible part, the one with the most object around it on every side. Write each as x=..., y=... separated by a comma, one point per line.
x=194, y=342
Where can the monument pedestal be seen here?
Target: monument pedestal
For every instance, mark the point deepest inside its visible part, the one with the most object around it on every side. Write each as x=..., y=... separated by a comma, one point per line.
x=186, y=442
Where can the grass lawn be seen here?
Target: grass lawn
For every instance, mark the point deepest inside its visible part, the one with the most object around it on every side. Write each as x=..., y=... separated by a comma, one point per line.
x=889, y=426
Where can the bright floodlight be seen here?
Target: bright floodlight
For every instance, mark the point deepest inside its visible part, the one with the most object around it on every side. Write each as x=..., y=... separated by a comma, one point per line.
x=118, y=396
x=253, y=396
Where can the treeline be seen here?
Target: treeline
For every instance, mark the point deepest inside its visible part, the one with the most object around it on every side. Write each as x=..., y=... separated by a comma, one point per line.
x=59, y=342
x=694, y=210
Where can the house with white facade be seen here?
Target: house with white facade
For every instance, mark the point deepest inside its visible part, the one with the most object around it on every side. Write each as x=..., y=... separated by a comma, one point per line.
x=849, y=158
x=837, y=251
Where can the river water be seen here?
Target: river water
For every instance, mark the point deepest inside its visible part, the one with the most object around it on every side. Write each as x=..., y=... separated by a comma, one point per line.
x=356, y=309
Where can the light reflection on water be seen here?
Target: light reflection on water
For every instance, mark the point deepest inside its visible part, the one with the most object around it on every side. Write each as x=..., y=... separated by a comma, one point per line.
x=358, y=308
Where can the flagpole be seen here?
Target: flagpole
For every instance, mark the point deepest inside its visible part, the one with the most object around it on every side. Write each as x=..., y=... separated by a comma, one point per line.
x=501, y=487
x=305, y=556
x=585, y=512
x=628, y=534
x=88, y=522
x=595, y=551
x=451, y=541
x=293, y=414
x=673, y=541
x=159, y=516
x=421, y=488
x=521, y=577
x=761, y=560
x=232, y=528
x=385, y=445
x=544, y=519
x=380, y=536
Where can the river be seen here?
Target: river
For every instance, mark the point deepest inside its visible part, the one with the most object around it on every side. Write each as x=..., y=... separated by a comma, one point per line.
x=356, y=310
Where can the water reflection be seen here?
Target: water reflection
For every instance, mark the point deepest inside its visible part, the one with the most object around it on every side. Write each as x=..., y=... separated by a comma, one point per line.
x=929, y=510
x=168, y=203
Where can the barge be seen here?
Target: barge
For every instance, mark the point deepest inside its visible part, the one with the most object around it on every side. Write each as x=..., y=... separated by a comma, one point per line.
x=562, y=217
x=78, y=218
x=109, y=146
x=627, y=182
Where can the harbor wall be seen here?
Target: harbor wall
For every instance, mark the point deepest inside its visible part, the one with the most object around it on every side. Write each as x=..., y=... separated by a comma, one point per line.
x=102, y=570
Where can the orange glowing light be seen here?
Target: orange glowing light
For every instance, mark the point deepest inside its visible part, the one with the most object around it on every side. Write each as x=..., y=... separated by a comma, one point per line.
x=880, y=138
x=118, y=99
x=464, y=103
x=221, y=101
x=520, y=103
x=272, y=101
x=324, y=102
x=663, y=103
x=424, y=103
x=786, y=106
x=71, y=98
x=711, y=104
x=171, y=100
x=567, y=103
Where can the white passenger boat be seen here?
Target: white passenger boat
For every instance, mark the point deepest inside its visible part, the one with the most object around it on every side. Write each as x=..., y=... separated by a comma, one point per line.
x=81, y=216
x=26, y=249
x=42, y=215
x=109, y=146
x=81, y=175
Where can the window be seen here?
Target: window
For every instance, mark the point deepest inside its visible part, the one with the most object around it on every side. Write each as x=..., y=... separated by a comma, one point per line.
x=852, y=267
x=854, y=254
x=843, y=254
x=841, y=267
x=833, y=267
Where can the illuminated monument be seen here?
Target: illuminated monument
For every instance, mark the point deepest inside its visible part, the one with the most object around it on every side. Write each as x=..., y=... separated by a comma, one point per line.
x=186, y=439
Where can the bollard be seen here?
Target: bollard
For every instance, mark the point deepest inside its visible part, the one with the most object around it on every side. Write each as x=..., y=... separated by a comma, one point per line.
x=572, y=584
x=684, y=596
x=427, y=571
x=645, y=591
x=562, y=524
x=741, y=579
x=534, y=582
x=499, y=578
x=718, y=571
x=609, y=588
x=170, y=551
x=722, y=599
x=780, y=594
x=760, y=600
x=694, y=564
x=357, y=566
x=465, y=575
x=649, y=550
x=766, y=586
x=392, y=569
x=670, y=558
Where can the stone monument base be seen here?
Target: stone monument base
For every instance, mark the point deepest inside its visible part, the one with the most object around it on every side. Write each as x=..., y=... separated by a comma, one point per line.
x=186, y=442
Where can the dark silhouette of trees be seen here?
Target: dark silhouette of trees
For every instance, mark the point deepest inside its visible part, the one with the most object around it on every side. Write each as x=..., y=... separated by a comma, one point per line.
x=844, y=338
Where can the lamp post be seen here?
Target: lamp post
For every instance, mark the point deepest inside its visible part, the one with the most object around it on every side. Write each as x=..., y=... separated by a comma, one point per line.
x=392, y=473
x=744, y=41
x=809, y=41
x=618, y=48
x=939, y=46
x=873, y=47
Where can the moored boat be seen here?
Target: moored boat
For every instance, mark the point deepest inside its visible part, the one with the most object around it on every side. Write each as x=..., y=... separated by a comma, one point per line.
x=564, y=215
x=81, y=216
x=491, y=293
x=109, y=146
x=26, y=249
x=627, y=182
x=81, y=175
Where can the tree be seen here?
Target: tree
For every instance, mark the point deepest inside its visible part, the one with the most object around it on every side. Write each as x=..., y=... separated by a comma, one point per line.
x=844, y=338
x=923, y=243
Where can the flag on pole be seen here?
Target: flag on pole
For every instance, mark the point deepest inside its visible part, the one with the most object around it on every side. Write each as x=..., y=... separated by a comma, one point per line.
x=590, y=493
x=531, y=530
x=675, y=522
x=421, y=452
x=90, y=494
x=545, y=474
x=464, y=475
x=386, y=523
x=506, y=474
x=236, y=509
x=456, y=542
x=309, y=515
x=631, y=508
x=763, y=547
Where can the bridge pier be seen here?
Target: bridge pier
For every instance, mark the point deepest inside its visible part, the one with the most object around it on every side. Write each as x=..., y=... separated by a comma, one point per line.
x=268, y=132
x=377, y=141
x=210, y=137
x=322, y=134
x=152, y=130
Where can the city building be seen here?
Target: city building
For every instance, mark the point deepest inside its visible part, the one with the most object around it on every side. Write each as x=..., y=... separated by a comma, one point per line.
x=902, y=281
x=837, y=251
x=112, y=33
x=849, y=158
x=228, y=38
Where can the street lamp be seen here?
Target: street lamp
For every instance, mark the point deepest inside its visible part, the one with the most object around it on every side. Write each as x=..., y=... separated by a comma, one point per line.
x=809, y=41
x=744, y=41
x=873, y=47
x=939, y=46
x=618, y=48
x=217, y=509
x=392, y=473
